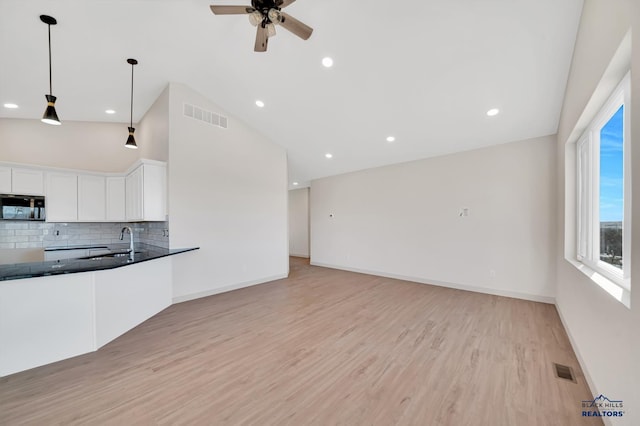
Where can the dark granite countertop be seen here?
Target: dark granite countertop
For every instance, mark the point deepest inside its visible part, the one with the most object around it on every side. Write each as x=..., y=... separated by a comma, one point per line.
x=118, y=258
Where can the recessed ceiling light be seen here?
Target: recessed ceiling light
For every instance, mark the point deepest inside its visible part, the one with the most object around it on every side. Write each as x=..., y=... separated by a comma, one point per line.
x=11, y=106
x=295, y=183
x=327, y=62
x=493, y=111
x=328, y=155
x=391, y=139
x=259, y=104
x=110, y=111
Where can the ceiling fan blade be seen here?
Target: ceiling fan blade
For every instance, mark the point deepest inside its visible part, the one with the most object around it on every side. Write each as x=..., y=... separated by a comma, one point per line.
x=261, y=39
x=231, y=10
x=286, y=3
x=298, y=28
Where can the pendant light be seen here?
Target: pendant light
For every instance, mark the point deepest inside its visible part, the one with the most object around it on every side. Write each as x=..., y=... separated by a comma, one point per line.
x=50, y=116
x=131, y=141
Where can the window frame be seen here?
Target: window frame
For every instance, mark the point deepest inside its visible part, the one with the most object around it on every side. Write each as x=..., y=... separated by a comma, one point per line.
x=588, y=190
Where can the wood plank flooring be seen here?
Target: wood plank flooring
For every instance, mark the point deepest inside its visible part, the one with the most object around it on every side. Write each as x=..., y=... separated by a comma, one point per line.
x=323, y=347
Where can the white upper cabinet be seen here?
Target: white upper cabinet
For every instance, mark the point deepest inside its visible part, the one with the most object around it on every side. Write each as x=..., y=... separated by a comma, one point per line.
x=62, y=197
x=146, y=193
x=21, y=181
x=116, y=199
x=5, y=180
x=155, y=192
x=91, y=198
x=74, y=196
x=134, y=194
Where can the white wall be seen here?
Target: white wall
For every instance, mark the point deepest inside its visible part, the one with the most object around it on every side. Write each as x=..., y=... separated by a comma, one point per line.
x=152, y=134
x=299, y=222
x=605, y=333
x=227, y=195
x=403, y=220
x=74, y=145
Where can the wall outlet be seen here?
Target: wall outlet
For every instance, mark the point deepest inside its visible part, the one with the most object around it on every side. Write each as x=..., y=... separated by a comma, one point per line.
x=492, y=273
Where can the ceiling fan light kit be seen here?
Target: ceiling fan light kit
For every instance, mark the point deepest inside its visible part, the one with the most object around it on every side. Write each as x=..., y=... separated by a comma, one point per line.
x=265, y=15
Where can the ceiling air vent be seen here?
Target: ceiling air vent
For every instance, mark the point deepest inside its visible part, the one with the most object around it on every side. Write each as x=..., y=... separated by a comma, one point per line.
x=205, y=116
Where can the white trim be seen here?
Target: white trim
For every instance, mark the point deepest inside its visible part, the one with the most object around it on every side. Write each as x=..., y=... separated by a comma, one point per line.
x=616, y=291
x=484, y=290
x=46, y=169
x=587, y=196
x=224, y=289
x=583, y=365
x=305, y=256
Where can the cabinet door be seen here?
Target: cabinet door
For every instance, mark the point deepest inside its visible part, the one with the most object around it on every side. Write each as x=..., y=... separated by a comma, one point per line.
x=27, y=182
x=62, y=197
x=155, y=192
x=133, y=193
x=91, y=198
x=5, y=180
x=116, y=199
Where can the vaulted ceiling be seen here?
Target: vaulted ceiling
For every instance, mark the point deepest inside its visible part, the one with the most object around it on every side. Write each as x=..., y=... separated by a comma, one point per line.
x=423, y=71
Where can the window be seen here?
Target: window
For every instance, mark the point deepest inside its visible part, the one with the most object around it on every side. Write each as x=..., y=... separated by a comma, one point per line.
x=603, y=190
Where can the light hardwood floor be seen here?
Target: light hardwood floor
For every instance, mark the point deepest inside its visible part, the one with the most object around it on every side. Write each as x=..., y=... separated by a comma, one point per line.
x=323, y=347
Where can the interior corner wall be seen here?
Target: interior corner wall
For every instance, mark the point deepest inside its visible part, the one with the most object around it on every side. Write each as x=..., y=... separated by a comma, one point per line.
x=81, y=145
x=299, y=222
x=152, y=134
x=228, y=196
x=603, y=331
x=405, y=220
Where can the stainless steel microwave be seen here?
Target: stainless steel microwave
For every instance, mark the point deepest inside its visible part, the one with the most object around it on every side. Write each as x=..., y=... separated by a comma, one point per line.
x=21, y=207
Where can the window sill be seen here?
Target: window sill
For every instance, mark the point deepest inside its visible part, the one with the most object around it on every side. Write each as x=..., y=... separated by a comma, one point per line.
x=621, y=294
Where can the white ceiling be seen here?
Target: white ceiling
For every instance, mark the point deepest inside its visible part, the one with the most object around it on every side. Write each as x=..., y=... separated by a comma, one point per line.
x=425, y=71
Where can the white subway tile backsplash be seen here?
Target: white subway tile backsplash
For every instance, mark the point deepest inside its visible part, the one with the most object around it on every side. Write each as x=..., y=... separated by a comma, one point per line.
x=42, y=234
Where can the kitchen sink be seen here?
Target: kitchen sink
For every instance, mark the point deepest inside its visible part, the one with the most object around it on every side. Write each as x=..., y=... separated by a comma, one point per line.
x=109, y=255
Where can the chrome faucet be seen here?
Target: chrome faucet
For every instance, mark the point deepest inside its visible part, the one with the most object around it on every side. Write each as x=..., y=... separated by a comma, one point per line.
x=130, y=232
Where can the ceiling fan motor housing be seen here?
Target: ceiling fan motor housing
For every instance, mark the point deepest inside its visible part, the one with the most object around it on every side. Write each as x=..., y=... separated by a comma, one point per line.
x=265, y=5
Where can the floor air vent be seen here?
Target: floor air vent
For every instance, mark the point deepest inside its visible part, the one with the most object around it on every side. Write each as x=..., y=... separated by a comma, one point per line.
x=564, y=372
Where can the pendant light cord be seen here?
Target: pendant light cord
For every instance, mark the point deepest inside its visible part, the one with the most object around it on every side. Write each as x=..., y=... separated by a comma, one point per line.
x=131, y=118
x=50, y=84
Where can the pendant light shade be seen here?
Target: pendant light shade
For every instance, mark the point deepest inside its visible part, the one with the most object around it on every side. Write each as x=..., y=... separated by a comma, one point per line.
x=50, y=116
x=131, y=141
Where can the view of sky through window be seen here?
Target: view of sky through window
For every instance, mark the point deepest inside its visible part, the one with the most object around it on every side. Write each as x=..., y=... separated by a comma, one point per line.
x=612, y=190
x=611, y=169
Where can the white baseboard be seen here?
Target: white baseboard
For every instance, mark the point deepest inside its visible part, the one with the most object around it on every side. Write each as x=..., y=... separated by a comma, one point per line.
x=187, y=297
x=484, y=290
x=306, y=256
x=583, y=366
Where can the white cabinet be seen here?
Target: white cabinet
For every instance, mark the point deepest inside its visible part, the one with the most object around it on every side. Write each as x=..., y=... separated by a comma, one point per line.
x=27, y=181
x=5, y=180
x=21, y=181
x=62, y=197
x=91, y=198
x=134, y=194
x=74, y=196
x=115, y=199
x=146, y=193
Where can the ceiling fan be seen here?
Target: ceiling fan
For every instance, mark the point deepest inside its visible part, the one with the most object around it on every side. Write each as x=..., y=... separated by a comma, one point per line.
x=265, y=14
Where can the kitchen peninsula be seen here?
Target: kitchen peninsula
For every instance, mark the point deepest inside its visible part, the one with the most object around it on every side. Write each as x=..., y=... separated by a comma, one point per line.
x=53, y=310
